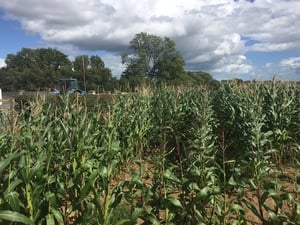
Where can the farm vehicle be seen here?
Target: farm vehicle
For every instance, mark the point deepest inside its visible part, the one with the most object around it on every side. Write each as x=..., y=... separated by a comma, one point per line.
x=69, y=86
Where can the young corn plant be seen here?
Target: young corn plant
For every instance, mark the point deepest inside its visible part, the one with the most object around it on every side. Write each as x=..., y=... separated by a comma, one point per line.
x=134, y=122
x=167, y=184
x=11, y=209
x=281, y=106
x=59, y=163
x=296, y=208
x=293, y=216
x=260, y=164
x=173, y=114
x=93, y=154
x=200, y=179
x=23, y=189
x=57, y=168
x=231, y=109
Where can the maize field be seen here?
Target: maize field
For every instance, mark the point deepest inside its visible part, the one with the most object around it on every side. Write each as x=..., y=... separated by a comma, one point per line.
x=164, y=156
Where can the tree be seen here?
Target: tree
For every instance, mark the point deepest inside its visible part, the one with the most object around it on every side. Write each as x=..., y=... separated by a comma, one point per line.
x=152, y=57
x=96, y=74
x=33, y=69
x=41, y=58
x=196, y=78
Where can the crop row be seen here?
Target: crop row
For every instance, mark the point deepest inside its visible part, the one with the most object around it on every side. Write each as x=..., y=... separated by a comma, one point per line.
x=163, y=156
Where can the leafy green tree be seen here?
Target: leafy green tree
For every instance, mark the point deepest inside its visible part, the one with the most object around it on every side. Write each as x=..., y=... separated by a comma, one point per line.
x=93, y=70
x=196, y=78
x=100, y=76
x=131, y=82
x=80, y=66
x=52, y=60
x=23, y=59
x=41, y=58
x=9, y=80
x=152, y=57
x=34, y=69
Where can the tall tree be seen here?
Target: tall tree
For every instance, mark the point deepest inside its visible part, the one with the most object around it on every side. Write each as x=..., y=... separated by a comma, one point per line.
x=96, y=74
x=196, y=78
x=41, y=58
x=153, y=58
x=36, y=68
x=80, y=67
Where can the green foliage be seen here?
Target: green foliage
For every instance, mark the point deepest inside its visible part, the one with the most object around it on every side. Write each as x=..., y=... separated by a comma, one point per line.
x=93, y=103
x=162, y=156
x=34, y=69
x=97, y=76
x=154, y=61
x=199, y=78
x=39, y=69
x=153, y=58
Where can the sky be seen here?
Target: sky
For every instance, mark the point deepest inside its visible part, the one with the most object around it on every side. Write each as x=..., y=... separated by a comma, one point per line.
x=245, y=39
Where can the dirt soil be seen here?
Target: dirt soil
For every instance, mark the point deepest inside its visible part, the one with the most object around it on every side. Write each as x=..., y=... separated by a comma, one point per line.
x=287, y=176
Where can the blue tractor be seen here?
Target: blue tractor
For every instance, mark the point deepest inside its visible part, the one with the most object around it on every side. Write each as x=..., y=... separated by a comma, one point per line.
x=69, y=86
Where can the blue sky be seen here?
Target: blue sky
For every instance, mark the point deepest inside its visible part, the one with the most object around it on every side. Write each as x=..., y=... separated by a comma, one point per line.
x=246, y=39
x=15, y=38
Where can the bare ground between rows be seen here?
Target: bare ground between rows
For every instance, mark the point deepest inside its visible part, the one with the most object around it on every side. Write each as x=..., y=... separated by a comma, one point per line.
x=286, y=175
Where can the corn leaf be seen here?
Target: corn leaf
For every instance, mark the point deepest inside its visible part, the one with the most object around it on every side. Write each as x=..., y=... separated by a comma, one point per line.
x=14, y=217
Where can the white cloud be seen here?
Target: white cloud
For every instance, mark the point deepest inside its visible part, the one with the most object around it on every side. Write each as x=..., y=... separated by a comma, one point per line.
x=233, y=65
x=208, y=33
x=114, y=62
x=292, y=63
x=231, y=44
x=268, y=65
x=290, y=68
x=2, y=63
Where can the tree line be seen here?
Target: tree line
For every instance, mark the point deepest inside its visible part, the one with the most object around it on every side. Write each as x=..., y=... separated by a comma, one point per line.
x=149, y=60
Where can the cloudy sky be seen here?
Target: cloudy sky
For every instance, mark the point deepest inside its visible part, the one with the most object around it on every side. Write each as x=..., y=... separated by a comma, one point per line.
x=247, y=39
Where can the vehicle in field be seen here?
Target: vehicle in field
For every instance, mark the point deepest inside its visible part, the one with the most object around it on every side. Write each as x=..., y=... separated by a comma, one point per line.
x=69, y=86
